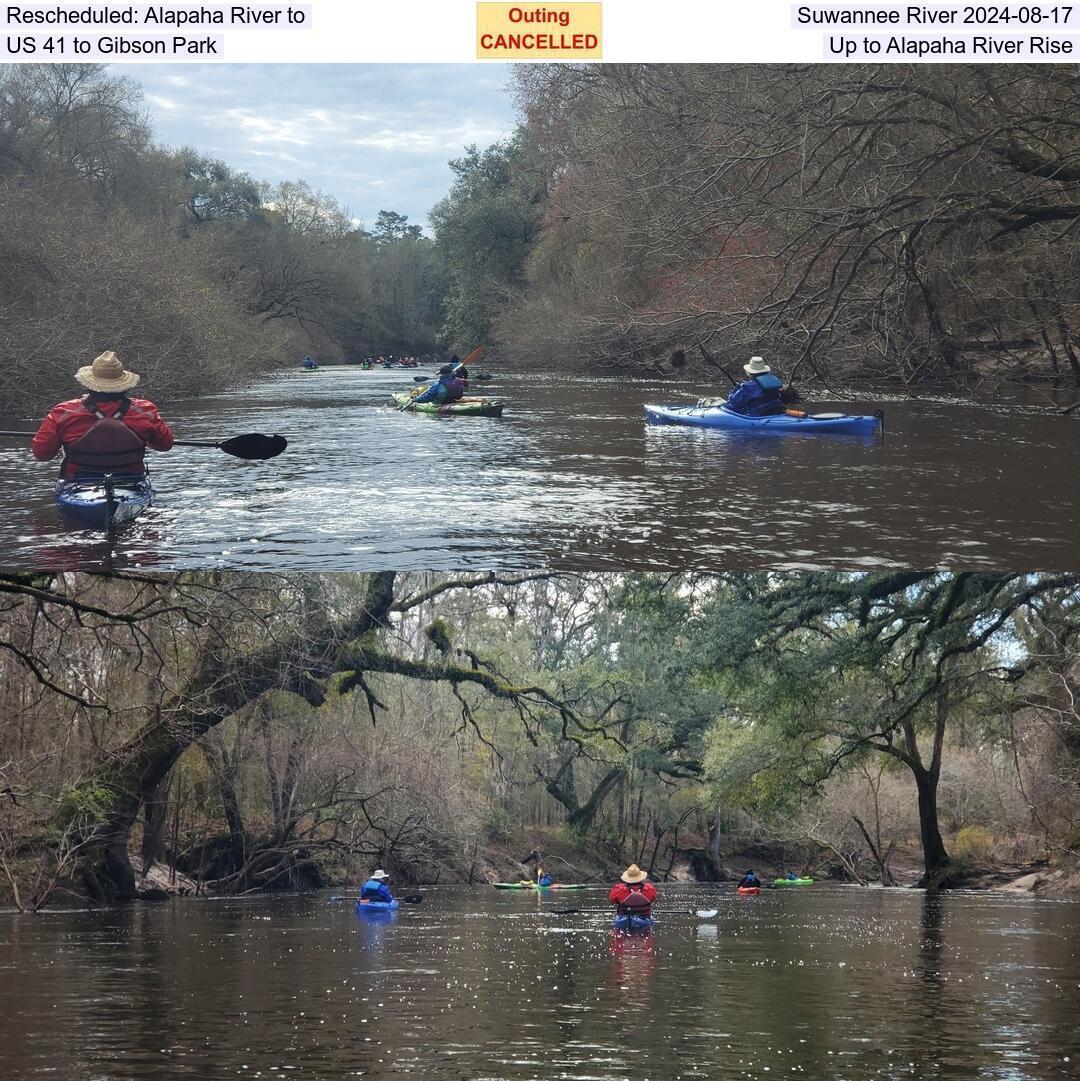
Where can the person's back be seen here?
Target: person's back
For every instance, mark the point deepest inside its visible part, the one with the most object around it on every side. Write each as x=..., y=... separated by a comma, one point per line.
x=376, y=888
x=760, y=395
x=632, y=895
x=105, y=431
x=447, y=388
x=750, y=881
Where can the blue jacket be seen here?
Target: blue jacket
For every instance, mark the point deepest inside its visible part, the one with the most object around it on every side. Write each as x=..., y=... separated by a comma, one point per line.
x=447, y=388
x=757, y=397
x=375, y=890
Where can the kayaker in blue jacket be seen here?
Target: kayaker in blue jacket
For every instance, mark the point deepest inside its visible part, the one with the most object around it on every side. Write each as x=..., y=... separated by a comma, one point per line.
x=543, y=879
x=376, y=888
x=750, y=881
x=449, y=387
x=309, y=364
x=760, y=395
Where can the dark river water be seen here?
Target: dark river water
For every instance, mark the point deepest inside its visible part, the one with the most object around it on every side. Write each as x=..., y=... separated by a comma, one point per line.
x=827, y=982
x=572, y=477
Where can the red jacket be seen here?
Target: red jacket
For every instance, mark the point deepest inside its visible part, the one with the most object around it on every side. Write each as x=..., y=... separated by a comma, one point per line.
x=621, y=891
x=66, y=422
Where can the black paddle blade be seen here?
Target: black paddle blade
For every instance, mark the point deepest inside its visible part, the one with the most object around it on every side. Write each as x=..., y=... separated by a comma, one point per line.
x=254, y=446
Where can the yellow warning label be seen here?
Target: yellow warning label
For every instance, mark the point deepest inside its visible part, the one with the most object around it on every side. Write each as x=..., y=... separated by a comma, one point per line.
x=538, y=31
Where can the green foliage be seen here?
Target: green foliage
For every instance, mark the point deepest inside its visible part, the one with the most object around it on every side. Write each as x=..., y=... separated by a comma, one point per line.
x=484, y=229
x=83, y=807
x=500, y=824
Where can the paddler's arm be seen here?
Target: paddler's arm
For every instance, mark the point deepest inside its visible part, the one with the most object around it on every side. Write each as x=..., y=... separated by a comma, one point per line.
x=46, y=443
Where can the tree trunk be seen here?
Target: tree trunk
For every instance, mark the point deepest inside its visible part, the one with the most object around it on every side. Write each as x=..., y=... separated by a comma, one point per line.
x=153, y=838
x=935, y=857
x=582, y=818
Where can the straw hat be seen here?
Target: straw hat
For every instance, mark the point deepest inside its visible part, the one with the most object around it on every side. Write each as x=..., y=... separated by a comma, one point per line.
x=633, y=874
x=757, y=366
x=106, y=375
x=380, y=875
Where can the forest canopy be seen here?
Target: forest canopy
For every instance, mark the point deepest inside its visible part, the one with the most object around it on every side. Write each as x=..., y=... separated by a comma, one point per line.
x=907, y=223
x=911, y=224
x=199, y=275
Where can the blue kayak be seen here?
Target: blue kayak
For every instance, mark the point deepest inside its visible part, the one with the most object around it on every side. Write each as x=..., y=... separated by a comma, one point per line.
x=104, y=502
x=629, y=923
x=713, y=415
x=371, y=907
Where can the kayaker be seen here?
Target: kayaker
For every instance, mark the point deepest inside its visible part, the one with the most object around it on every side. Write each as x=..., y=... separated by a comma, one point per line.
x=759, y=396
x=447, y=388
x=750, y=881
x=310, y=364
x=543, y=879
x=791, y=876
x=105, y=431
x=376, y=888
x=633, y=895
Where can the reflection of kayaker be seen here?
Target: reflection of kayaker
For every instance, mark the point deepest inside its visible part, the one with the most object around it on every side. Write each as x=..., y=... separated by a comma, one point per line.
x=633, y=899
x=106, y=431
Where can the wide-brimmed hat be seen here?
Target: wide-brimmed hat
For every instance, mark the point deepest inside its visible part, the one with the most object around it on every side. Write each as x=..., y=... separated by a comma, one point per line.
x=757, y=366
x=380, y=874
x=107, y=375
x=634, y=873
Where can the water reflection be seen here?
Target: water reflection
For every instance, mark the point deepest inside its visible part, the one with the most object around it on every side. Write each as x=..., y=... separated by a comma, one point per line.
x=571, y=476
x=828, y=982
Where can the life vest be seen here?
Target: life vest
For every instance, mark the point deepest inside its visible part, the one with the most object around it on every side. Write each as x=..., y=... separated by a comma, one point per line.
x=108, y=446
x=635, y=904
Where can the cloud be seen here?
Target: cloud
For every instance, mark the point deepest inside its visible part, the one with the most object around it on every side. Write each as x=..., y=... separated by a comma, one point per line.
x=375, y=136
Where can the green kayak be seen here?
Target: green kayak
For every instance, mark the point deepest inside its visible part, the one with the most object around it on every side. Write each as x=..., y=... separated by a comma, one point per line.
x=464, y=407
x=793, y=882
x=534, y=886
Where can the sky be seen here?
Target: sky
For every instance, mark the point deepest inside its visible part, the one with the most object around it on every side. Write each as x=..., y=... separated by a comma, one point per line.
x=375, y=136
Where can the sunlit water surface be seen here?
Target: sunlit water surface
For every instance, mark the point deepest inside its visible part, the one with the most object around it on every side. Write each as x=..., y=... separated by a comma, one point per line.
x=824, y=982
x=571, y=476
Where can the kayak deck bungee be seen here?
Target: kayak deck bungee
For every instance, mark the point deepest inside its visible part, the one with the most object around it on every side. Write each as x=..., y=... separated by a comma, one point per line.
x=748, y=891
x=463, y=407
x=376, y=906
x=793, y=881
x=630, y=923
x=711, y=415
x=534, y=886
x=104, y=504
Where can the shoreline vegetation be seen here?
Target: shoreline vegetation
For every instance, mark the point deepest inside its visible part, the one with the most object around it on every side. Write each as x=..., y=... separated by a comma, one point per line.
x=908, y=225
x=289, y=731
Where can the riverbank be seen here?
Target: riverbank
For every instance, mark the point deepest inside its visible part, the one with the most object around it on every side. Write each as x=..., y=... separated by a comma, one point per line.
x=567, y=859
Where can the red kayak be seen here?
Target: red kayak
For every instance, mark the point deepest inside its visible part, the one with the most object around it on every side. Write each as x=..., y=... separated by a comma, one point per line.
x=749, y=891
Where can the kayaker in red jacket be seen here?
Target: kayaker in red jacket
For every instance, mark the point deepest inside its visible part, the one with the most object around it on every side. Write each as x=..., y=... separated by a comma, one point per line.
x=105, y=431
x=633, y=896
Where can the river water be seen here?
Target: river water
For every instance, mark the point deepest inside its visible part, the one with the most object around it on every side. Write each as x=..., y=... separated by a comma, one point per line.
x=825, y=982
x=571, y=477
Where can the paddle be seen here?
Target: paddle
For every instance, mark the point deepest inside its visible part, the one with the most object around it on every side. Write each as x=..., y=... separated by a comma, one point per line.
x=410, y=899
x=253, y=446
x=428, y=378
